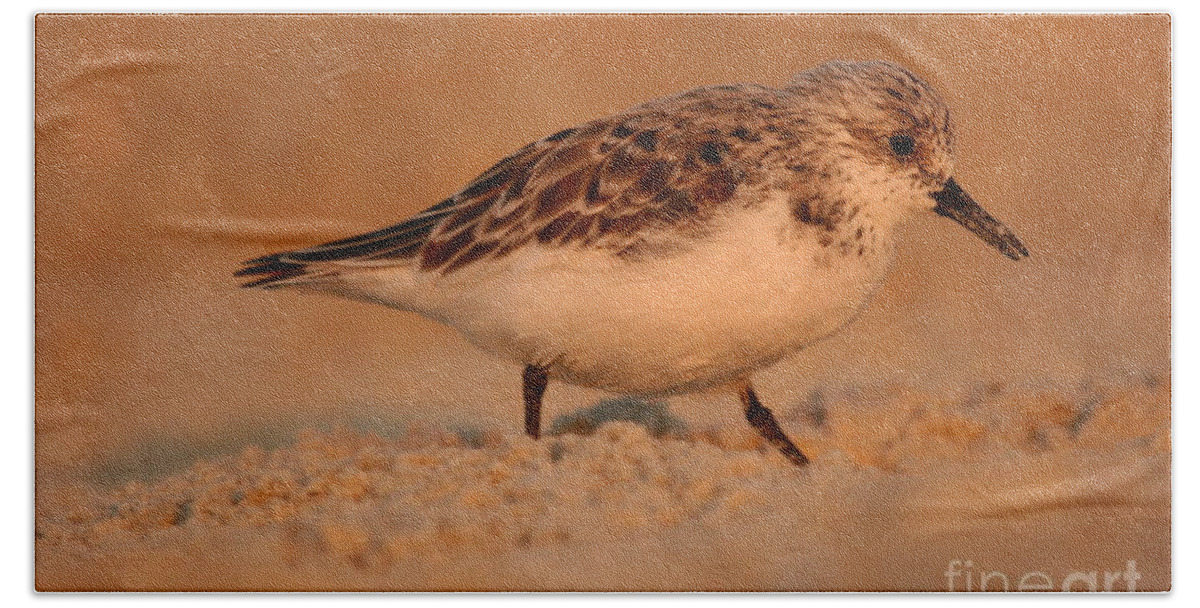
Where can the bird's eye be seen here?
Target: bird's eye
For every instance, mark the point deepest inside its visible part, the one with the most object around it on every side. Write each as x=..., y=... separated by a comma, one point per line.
x=902, y=145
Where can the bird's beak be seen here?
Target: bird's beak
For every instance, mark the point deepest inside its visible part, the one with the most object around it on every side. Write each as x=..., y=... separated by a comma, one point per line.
x=954, y=203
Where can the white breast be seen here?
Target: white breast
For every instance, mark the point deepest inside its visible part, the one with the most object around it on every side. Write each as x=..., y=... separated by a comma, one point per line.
x=749, y=294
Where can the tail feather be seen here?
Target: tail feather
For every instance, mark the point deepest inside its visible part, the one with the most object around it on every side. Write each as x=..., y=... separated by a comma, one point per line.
x=269, y=270
x=388, y=246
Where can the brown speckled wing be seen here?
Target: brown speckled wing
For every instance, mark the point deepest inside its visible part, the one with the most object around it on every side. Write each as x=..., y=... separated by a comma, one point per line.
x=620, y=183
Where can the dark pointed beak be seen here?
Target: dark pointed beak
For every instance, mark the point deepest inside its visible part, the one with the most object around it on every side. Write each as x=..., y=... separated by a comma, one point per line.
x=954, y=203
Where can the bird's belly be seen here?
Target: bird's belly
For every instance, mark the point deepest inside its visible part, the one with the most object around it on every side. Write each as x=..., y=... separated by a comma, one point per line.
x=656, y=326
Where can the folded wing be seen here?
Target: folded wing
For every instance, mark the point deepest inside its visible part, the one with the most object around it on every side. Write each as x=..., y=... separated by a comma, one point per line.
x=616, y=183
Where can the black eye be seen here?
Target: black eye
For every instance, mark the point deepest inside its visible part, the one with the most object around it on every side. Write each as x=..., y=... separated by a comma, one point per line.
x=902, y=145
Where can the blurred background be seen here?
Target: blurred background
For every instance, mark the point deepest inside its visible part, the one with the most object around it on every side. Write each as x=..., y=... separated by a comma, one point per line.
x=170, y=148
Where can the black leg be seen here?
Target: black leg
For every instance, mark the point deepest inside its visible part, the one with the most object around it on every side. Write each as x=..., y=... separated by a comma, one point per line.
x=535, y=386
x=764, y=422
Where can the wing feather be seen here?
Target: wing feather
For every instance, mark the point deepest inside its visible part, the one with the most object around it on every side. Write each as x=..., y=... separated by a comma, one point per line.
x=620, y=183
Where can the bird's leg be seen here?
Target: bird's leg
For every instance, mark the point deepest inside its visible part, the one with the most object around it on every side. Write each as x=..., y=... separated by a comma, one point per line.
x=535, y=386
x=764, y=422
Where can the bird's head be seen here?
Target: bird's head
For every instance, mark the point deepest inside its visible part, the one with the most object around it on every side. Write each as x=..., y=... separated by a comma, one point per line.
x=897, y=132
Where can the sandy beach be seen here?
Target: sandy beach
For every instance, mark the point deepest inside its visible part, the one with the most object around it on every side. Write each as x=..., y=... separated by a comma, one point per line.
x=903, y=484
x=983, y=421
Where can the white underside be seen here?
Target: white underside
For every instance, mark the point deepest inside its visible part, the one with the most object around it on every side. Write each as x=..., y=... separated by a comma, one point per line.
x=747, y=296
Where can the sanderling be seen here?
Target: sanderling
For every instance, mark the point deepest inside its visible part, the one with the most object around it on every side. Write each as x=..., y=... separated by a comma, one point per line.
x=676, y=246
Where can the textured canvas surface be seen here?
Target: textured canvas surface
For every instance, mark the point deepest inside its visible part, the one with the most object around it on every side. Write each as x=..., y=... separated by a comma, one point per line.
x=982, y=424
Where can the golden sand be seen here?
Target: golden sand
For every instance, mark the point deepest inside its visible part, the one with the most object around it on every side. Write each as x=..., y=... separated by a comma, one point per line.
x=902, y=483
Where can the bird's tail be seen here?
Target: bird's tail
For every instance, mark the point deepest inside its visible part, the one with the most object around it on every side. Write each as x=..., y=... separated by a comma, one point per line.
x=391, y=246
x=275, y=270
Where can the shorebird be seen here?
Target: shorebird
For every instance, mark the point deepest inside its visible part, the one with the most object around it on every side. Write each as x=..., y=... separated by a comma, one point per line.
x=674, y=247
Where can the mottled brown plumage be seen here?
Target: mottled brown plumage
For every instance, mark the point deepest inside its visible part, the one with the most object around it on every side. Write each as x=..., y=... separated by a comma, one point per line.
x=677, y=246
x=639, y=182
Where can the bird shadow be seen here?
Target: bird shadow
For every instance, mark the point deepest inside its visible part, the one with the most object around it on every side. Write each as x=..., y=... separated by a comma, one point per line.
x=653, y=415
